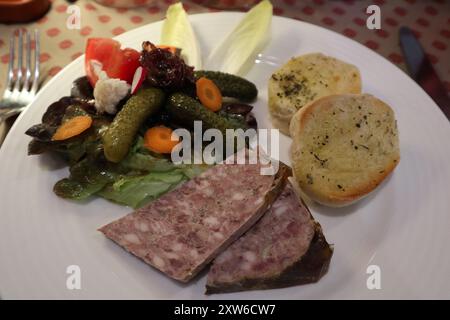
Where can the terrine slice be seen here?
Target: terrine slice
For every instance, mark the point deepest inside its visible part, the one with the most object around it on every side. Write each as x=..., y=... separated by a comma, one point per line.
x=183, y=230
x=285, y=248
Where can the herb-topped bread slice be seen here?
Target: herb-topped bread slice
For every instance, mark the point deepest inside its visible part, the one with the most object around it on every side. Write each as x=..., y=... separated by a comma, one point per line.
x=307, y=78
x=343, y=147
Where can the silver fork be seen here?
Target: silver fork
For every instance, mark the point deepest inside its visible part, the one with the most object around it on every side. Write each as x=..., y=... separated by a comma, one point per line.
x=21, y=87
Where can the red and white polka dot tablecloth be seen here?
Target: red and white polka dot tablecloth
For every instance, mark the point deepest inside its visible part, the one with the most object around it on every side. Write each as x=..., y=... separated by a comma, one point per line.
x=429, y=19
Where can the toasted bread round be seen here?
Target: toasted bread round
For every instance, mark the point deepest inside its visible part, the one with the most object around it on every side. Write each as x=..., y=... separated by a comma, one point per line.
x=343, y=147
x=304, y=79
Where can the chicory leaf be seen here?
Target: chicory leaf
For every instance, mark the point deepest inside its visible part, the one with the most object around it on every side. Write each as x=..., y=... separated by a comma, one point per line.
x=237, y=52
x=177, y=31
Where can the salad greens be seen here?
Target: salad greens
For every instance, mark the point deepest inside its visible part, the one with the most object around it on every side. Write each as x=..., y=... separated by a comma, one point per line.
x=140, y=178
x=137, y=191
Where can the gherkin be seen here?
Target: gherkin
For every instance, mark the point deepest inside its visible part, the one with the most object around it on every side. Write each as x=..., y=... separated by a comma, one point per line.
x=184, y=110
x=230, y=85
x=120, y=135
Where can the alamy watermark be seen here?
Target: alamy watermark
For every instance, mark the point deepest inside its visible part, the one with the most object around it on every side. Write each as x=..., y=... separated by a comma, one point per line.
x=374, y=279
x=212, y=146
x=73, y=281
x=74, y=19
x=374, y=20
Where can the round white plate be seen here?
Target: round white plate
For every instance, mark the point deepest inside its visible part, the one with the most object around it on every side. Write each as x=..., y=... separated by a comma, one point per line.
x=403, y=227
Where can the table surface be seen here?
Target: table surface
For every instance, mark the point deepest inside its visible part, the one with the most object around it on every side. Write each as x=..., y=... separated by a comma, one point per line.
x=430, y=20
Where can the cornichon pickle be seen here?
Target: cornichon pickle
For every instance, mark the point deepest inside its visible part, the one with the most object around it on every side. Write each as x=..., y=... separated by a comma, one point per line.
x=230, y=85
x=120, y=135
x=184, y=110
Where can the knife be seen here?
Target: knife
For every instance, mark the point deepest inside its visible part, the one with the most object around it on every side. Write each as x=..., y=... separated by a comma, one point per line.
x=422, y=71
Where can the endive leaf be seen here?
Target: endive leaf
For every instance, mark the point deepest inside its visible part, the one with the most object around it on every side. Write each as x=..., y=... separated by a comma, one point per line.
x=177, y=31
x=237, y=53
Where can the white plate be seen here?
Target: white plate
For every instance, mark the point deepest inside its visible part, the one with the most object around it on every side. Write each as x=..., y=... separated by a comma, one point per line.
x=403, y=227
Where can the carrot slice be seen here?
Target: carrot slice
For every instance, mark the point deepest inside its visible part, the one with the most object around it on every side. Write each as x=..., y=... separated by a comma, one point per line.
x=72, y=127
x=158, y=139
x=172, y=49
x=209, y=94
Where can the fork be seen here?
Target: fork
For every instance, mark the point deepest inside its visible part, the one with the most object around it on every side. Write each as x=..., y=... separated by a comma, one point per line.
x=21, y=85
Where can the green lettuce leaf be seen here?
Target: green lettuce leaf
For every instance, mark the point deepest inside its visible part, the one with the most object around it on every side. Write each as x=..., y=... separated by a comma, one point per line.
x=138, y=191
x=138, y=179
x=158, y=175
x=141, y=159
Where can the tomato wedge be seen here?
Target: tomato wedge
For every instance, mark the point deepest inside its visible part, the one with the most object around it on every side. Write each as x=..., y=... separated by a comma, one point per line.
x=116, y=62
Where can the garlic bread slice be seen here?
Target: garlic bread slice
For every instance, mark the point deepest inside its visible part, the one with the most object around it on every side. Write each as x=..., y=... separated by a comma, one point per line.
x=343, y=147
x=304, y=79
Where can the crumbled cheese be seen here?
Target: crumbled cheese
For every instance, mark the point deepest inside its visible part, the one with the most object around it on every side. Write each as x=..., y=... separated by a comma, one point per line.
x=108, y=92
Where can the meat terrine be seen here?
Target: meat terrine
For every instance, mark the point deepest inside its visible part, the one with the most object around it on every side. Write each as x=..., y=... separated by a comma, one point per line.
x=183, y=230
x=285, y=248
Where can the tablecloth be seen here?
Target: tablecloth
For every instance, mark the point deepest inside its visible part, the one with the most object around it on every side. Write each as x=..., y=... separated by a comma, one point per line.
x=430, y=20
